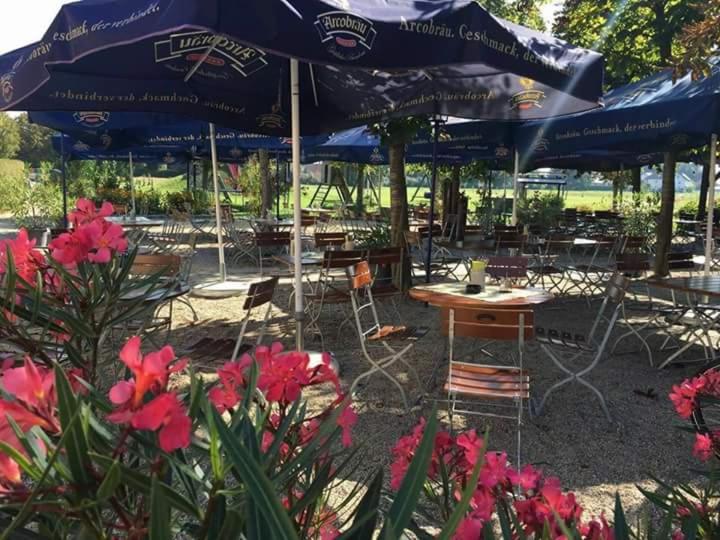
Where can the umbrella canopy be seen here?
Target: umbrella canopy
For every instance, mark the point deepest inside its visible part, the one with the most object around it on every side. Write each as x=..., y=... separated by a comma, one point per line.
x=213, y=61
x=116, y=131
x=644, y=117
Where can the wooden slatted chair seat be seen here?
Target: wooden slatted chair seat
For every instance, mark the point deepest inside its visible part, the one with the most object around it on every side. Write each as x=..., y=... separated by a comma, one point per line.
x=552, y=336
x=488, y=382
x=399, y=333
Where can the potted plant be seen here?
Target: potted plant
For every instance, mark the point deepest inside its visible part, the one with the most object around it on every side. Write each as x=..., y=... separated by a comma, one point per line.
x=36, y=206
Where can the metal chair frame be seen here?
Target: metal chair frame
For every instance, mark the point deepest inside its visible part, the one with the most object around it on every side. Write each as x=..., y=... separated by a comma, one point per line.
x=594, y=346
x=360, y=279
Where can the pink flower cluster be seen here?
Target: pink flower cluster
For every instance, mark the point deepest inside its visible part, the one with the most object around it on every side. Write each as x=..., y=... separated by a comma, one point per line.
x=33, y=403
x=536, y=500
x=28, y=261
x=282, y=378
x=145, y=403
x=92, y=238
x=684, y=397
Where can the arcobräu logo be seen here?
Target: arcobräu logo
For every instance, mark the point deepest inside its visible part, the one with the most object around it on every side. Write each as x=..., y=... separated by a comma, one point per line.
x=376, y=156
x=528, y=98
x=91, y=119
x=273, y=120
x=191, y=47
x=7, y=90
x=347, y=36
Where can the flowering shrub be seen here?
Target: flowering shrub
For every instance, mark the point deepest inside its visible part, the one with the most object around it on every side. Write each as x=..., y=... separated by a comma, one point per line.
x=74, y=294
x=538, y=504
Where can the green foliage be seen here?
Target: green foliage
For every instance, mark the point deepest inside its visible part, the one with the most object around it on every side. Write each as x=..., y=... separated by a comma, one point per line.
x=12, y=176
x=637, y=37
x=640, y=215
x=378, y=236
x=9, y=137
x=399, y=130
x=35, y=205
x=35, y=143
x=525, y=12
x=541, y=209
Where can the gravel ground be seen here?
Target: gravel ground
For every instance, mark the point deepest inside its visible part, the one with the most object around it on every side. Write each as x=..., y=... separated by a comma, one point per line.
x=571, y=440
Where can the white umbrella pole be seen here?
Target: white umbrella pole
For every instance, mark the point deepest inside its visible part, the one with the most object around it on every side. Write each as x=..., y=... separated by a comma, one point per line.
x=218, y=214
x=132, y=184
x=516, y=191
x=297, y=200
x=710, y=204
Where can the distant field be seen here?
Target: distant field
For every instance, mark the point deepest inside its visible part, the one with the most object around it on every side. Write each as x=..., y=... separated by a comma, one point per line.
x=595, y=200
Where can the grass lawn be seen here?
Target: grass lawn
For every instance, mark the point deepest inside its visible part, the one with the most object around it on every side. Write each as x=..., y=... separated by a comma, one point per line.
x=595, y=200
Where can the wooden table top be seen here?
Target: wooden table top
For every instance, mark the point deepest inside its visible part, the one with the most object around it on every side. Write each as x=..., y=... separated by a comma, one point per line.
x=433, y=295
x=706, y=285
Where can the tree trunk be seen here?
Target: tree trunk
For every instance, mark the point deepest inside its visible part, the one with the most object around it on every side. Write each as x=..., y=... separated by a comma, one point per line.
x=206, y=172
x=399, y=210
x=615, y=191
x=665, y=221
x=266, y=188
x=455, y=190
x=360, y=191
x=636, y=177
x=704, y=185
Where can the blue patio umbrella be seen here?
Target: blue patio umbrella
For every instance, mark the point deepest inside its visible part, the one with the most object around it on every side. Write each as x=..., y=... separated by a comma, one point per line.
x=232, y=62
x=655, y=114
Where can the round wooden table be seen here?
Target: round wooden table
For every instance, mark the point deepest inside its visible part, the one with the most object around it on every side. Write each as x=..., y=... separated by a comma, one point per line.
x=452, y=295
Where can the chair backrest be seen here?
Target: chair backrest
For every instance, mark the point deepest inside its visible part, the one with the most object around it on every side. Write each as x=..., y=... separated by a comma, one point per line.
x=490, y=323
x=384, y=255
x=359, y=275
x=307, y=221
x=342, y=258
x=507, y=267
x=510, y=241
x=436, y=230
x=632, y=263
x=413, y=239
x=681, y=260
x=260, y=293
x=324, y=240
x=272, y=238
x=149, y=265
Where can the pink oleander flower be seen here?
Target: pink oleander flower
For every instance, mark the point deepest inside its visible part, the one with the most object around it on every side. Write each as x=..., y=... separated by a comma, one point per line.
x=70, y=248
x=85, y=212
x=684, y=395
x=166, y=415
x=528, y=479
x=231, y=380
x=703, y=447
x=470, y=528
x=164, y=412
x=472, y=447
x=34, y=403
x=104, y=239
x=151, y=373
x=495, y=469
x=26, y=259
x=347, y=419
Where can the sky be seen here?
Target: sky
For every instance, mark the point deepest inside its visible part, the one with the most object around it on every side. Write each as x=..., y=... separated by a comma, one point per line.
x=26, y=22
x=28, y=19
